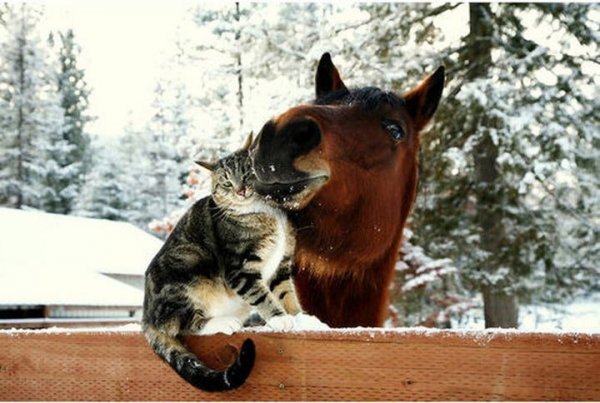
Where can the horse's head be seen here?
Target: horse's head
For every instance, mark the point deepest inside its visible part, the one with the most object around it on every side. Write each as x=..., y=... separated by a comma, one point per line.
x=346, y=165
x=344, y=141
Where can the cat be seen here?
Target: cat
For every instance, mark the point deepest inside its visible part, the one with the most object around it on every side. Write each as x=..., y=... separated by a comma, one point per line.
x=228, y=253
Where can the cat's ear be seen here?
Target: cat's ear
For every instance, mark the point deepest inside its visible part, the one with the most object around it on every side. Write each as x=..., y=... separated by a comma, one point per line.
x=211, y=166
x=248, y=142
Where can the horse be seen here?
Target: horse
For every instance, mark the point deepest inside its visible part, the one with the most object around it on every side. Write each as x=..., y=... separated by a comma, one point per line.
x=344, y=167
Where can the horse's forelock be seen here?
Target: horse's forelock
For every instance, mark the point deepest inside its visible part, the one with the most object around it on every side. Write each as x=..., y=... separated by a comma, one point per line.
x=368, y=98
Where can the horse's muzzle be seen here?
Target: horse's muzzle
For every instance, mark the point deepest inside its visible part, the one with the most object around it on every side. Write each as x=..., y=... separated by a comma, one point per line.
x=284, y=192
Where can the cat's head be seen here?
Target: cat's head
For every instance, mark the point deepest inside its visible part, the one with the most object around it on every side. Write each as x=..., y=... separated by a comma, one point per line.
x=232, y=179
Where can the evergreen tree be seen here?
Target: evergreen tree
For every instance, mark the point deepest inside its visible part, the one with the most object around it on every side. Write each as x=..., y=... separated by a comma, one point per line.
x=171, y=138
x=169, y=162
x=74, y=94
x=116, y=185
x=510, y=192
x=104, y=193
x=426, y=291
x=218, y=53
x=31, y=118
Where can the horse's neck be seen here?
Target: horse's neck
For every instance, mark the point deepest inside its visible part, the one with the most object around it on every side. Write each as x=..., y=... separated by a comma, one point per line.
x=359, y=234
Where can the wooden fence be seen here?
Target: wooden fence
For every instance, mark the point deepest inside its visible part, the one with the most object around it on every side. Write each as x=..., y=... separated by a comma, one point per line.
x=368, y=364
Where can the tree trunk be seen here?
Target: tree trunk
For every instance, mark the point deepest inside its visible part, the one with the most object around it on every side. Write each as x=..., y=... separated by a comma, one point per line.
x=500, y=308
x=238, y=62
x=21, y=146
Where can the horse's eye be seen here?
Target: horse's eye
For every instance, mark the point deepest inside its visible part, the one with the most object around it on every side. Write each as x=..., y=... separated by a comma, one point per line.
x=394, y=129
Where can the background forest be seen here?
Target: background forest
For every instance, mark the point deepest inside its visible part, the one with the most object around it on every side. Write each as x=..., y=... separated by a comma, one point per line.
x=508, y=209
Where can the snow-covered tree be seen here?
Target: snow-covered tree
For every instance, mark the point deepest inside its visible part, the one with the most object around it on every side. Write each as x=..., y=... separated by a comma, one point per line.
x=105, y=193
x=510, y=189
x=73, y=90
x=31, y=118
x=117, y=184
x=170, y=139
x=218, y=45
x=169, y=161
x=426, y=291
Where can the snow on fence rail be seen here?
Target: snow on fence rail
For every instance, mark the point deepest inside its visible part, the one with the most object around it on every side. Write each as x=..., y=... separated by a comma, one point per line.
x=42, y=323
x=362, y=364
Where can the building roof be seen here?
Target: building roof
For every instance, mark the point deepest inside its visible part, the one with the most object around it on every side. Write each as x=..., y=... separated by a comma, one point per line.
x=57, y=259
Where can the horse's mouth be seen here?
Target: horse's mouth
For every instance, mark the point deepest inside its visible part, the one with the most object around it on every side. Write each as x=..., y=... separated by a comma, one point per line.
x=291, y=194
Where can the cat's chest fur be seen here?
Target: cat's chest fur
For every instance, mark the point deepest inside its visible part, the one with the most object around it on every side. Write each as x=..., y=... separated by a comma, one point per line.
x=276, y=240
x=263, y=236
x=276, y=246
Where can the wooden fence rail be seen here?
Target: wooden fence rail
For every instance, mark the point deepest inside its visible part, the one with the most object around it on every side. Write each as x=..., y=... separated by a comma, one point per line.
x=368, y=364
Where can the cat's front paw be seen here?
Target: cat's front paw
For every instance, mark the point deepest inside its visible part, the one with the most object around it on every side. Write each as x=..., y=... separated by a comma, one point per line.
x=282, y=323
x=303, y=321
x=224, y=324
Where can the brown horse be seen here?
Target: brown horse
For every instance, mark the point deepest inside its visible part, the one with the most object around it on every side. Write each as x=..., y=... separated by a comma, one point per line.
x=345, y=166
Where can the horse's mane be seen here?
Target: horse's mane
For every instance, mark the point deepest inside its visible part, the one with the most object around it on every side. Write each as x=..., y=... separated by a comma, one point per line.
x=368, y=98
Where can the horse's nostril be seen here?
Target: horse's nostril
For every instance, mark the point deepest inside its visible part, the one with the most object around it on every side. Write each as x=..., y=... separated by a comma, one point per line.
x=306, y=134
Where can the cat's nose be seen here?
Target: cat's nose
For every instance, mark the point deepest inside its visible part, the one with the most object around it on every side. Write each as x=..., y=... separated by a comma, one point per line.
x=244, y=192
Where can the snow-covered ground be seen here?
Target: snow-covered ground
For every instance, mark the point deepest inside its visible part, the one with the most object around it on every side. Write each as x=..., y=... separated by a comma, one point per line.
x=581, y=315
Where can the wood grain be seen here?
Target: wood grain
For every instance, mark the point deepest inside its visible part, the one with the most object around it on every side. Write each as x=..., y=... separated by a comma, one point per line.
x=363, y=365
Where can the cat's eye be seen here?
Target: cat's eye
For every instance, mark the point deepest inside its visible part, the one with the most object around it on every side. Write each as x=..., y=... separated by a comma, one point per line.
x=227, y=184
x=394, y=129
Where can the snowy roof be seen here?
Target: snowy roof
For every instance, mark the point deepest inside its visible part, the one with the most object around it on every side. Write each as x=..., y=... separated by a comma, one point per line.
x=50, y=258
x=61, y=288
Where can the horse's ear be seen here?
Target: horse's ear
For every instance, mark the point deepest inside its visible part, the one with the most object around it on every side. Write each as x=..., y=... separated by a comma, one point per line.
x=328, y=78
x=248, y=142
x=422, y=101
x=211, y=166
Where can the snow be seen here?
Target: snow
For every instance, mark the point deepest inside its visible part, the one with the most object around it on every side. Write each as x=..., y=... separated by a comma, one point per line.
x=481, y=337
x=38, y=242
x=54, y=259
x=65, y=288
x=581, y=316
x=303, y=322
x=129, y=328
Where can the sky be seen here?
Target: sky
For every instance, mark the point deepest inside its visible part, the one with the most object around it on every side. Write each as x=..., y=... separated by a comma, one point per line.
x=123, y=49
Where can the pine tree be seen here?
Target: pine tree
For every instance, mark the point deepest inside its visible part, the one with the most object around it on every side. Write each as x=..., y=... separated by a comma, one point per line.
x=171, y=139
x=169, y=161
x=218, y=48
x=120, y=174
x=509, y=193
x=31, y=118
x=104, y=193
x=74, y=92
x=426, y=291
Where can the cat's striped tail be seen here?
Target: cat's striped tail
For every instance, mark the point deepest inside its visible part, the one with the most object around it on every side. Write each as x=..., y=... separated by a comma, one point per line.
x=190, y=368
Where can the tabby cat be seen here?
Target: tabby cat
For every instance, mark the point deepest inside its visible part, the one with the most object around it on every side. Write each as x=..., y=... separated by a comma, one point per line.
x=229, y=252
